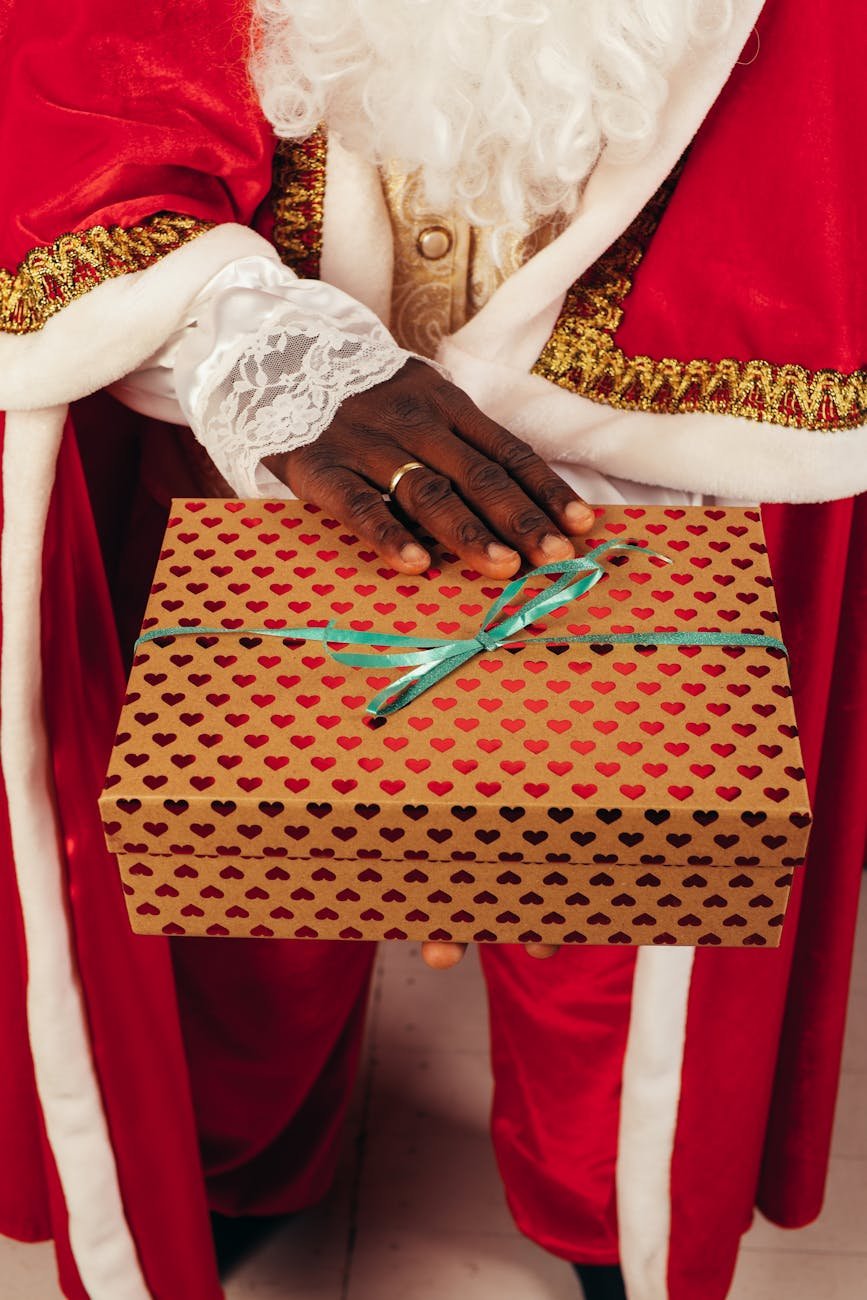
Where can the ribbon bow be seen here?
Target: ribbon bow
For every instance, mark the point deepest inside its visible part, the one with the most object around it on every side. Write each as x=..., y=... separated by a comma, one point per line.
x=442, y=655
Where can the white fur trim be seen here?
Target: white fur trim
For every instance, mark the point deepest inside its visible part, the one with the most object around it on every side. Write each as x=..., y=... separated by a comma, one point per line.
x=357, y=245
x=716, y=455
x=648, y=1116
x=111, y=330
x=66, y=1081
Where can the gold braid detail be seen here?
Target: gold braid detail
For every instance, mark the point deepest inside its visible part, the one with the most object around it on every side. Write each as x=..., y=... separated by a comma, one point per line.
x=582, y=356
x=298, y=198
x=53, y=275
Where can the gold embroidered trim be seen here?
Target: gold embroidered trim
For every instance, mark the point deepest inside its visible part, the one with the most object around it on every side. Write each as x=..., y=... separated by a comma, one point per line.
x=298, y=198
x=54, y=275
x=582, y=356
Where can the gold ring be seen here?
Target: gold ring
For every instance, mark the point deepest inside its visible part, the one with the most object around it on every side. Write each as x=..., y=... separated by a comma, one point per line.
x=399, y=473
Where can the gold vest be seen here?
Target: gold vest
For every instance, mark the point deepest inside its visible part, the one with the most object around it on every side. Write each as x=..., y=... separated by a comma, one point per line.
x=444, y=269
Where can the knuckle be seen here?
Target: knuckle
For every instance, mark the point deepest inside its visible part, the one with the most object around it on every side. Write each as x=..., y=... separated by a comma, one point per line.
x=408, y=409
x=524, y=522
x=469, y=532
x=363, y=441
x=516, y=456
x=386, y=532
x=459, y=402
x=486, y=479
x=429, y=490
x=367, y=434
x=362, y=502
x=553, y=492
x=316, y=458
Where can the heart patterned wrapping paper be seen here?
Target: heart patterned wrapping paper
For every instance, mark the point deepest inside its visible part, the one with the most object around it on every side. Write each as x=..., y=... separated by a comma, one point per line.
x=570, y=793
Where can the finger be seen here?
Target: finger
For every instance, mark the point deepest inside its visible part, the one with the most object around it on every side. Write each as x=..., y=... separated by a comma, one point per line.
x=494, y=496
x=357, y=505
x=428, y=497
x=541, y=950
x=558, y=500
x=442, y=956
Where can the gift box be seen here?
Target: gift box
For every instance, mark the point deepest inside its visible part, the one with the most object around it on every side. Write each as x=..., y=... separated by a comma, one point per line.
x=618, y=777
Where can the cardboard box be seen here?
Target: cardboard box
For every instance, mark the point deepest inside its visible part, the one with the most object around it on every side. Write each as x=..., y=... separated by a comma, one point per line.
x=574, y=793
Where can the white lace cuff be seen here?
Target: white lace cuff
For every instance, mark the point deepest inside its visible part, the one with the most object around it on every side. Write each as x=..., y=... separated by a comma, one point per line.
x=282, y=389
x=261, y=364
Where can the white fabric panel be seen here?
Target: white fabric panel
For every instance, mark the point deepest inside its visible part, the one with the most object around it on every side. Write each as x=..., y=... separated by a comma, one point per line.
x=357, y=244
x=601, y=490
x=715, y=455
x=66, y=1079
x=649, y=1102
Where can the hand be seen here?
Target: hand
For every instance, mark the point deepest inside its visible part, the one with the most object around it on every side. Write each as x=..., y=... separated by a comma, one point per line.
x=442, y=956
x=486, y=495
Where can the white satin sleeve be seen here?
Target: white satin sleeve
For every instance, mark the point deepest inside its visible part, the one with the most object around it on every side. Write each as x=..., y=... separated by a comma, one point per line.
x=260, y=364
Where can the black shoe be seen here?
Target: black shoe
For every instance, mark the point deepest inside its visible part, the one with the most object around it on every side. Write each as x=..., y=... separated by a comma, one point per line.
x=235, y=1239
x=601, y=1281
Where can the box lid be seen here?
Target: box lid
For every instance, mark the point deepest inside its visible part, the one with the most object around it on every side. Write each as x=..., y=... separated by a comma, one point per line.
x=255, y=745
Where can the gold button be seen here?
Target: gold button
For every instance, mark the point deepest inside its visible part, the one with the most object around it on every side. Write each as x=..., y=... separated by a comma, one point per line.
x=434, y=242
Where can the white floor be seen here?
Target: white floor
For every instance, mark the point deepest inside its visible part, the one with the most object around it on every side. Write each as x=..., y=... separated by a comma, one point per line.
x=418, y=1213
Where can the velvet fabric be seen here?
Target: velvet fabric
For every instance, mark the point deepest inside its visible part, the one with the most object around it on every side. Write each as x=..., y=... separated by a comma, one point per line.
x=833, y=713
x=111, y=113
x=92, y=132
x=769, y=1026
x=135, y=1039
x=273, y=1034
x=759, y=255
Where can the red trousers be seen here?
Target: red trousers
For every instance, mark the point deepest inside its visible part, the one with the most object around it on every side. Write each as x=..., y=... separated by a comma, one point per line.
x=558, y=1033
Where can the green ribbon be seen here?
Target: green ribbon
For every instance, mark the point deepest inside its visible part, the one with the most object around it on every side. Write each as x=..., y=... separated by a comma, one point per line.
x=442, y=655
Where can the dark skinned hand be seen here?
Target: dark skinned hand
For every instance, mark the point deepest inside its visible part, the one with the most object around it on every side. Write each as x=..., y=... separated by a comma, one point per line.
x=484, y=494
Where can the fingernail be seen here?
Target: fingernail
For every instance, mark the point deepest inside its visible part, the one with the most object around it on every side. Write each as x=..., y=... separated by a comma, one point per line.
x=555, y=547
x=413, y=554
x=579, y=515
x=501, y=554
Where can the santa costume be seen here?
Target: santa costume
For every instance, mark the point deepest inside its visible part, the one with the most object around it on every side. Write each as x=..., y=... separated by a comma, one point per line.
x=693, y=325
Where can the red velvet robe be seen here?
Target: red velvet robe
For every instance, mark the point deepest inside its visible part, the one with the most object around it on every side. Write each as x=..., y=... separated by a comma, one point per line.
x=89, y=135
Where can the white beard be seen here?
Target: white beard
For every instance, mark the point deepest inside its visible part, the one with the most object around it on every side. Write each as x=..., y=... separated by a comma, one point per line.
x=504, y=105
